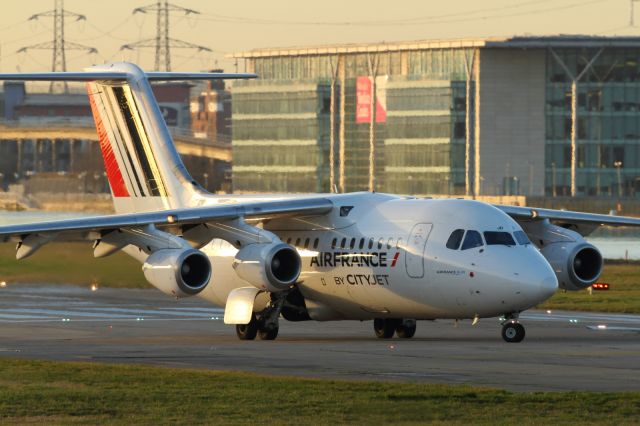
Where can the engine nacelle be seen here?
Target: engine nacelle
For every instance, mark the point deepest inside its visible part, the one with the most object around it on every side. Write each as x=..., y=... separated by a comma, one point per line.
x=178, y=272
x=577, y=263
x=272, y=267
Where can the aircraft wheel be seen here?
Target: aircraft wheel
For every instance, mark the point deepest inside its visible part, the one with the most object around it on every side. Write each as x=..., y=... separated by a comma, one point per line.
x=247, y=331
x=406, y=331
x=268, y=333
x=384, y=327
x=513, y=332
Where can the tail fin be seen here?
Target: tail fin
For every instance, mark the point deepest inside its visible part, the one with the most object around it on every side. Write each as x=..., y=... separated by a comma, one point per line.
x=143, y=167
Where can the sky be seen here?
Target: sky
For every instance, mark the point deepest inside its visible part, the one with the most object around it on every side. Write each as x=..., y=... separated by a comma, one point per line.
x=226, y=27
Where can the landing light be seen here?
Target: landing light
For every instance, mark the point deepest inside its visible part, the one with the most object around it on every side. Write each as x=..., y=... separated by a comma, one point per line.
x=600, y=286
x=3, y=284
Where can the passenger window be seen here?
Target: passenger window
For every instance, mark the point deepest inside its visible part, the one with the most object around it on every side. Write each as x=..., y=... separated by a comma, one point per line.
x=343, y=243
x=521, y=238
x=455, y=239
x=315, y=243
x=494, y=238
x=389, y=243
x=334, y=242
x=399, y=244
x=471, y=240
x=361, y=246
x=370, y=243
x=380, y=243
x=289, y=240
x=353, y=243
x=297, y=242
x=306, y=243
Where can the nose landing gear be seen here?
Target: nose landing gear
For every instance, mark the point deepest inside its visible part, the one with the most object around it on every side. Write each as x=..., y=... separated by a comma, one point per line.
x=512, y=330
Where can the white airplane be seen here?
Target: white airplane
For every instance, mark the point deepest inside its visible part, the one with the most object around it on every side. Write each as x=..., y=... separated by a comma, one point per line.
x=324, y=257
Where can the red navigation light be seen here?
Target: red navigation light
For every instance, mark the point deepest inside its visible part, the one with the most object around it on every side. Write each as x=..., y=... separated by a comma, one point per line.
x=600, y=286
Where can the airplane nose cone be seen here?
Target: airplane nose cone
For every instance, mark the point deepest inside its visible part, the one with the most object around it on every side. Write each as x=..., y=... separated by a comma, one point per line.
x=548, y=287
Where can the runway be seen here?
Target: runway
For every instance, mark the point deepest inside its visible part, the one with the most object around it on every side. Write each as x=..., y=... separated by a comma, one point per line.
x=560, y=351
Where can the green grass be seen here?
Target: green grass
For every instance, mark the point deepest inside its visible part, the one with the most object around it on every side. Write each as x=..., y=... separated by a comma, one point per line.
x=70, y=263
x=624, y=295
x=73, y=263
x=82, y=393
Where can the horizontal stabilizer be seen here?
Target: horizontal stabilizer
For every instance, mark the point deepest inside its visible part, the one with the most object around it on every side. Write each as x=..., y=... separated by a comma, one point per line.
x=116, y=76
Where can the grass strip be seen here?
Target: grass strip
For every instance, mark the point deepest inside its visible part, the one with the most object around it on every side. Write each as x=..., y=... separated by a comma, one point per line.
x=70, y=263
x=623, y=297
x=85, y=393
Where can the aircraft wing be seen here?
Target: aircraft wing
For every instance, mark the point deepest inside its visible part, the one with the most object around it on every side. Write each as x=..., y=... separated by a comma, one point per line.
x=584, y=223
x=82, y=227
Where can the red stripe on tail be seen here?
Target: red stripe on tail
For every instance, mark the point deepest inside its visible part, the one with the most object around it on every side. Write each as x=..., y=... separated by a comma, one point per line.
x=118, y=187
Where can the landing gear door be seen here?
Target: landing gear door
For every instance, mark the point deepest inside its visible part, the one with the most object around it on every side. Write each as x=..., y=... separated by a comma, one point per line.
x=414, y=256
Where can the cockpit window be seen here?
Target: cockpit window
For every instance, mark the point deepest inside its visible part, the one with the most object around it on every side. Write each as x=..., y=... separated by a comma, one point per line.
x=471, y=240
x=495, y=238
x=521, y=238
x=455, y=239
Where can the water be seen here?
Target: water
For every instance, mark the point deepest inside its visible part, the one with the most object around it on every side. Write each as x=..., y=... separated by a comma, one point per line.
x=614, y=243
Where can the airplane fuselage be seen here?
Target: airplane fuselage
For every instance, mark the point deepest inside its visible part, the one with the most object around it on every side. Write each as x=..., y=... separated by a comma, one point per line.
x=380, y=256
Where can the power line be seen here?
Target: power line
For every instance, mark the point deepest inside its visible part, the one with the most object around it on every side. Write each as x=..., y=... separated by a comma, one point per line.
x=162, y=42
x=59, y=45
x=466, y=16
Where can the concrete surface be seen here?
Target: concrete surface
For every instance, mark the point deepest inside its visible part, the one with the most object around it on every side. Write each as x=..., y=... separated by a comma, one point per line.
x=145, y=326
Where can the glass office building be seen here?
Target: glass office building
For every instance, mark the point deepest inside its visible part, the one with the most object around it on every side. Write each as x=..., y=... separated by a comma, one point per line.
x=484, y=117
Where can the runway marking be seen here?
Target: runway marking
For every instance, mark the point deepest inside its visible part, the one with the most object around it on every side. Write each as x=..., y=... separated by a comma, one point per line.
x=105, y=313
x=182, y=313
x=582, y=317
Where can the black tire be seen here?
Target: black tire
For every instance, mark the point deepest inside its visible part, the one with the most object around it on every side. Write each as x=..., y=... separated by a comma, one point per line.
x=406, y=332
x=384, y=328
x=268, y=334
x=247, y=331
x=513, y=332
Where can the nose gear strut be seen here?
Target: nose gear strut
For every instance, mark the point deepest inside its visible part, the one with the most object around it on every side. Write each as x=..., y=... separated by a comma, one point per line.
x=512, y=330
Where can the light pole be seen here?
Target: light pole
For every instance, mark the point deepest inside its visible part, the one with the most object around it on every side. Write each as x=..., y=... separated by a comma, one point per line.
x=618, y=165
x=553, y=179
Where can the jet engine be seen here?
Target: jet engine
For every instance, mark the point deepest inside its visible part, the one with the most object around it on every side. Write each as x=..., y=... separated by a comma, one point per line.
x=273, y=267
x=577, y=263
x=178, y=272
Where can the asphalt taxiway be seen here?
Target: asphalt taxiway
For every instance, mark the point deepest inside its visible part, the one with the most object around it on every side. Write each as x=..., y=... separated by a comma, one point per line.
x=562, y=350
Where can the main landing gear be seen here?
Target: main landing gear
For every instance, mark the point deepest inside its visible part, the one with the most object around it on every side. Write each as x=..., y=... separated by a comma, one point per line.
x=257, y=327
x=385, y=328
x=265, y=324
x=512, y=330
